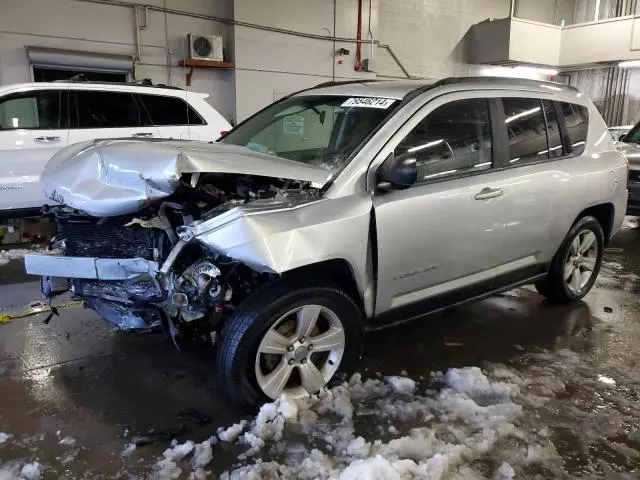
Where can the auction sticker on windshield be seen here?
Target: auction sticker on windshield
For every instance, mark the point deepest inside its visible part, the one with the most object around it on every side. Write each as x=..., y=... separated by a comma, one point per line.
x=369, y=102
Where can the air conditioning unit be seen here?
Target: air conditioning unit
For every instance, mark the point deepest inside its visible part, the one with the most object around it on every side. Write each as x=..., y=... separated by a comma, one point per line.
x=205, y=47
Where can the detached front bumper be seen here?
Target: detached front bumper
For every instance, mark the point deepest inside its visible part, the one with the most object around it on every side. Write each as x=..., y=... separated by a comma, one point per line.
x=56, y=272
x=91, y=268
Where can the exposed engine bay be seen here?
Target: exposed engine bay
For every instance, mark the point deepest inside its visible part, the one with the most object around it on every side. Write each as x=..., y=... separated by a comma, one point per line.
x=195, y=283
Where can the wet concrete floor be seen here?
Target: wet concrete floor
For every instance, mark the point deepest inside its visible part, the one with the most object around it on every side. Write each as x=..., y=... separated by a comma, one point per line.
x=76, y=377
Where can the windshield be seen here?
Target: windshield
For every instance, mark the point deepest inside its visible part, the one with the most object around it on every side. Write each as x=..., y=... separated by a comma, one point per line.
x=322, y=131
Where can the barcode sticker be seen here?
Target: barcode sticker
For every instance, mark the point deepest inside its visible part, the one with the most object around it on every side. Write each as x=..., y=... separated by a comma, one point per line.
x=369, y=102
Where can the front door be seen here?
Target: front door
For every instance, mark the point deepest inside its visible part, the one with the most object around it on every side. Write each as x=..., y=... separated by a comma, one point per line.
x=33, y=127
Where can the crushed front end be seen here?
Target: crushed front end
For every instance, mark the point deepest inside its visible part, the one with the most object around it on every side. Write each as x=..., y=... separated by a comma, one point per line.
x=143, y=269
x=137, y=276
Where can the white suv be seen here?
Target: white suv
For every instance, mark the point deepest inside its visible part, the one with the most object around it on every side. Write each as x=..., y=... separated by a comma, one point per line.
x=38, y=119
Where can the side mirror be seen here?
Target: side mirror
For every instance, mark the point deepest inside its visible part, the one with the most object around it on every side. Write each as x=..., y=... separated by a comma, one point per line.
x=397, y=172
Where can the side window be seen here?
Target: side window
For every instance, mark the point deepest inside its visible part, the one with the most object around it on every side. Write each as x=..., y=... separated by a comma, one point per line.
x=44, y=109
x=526, y=130
x=165, y=111
x=556, y=148
x=454, y=138
x=576, y=118
x=95, y=109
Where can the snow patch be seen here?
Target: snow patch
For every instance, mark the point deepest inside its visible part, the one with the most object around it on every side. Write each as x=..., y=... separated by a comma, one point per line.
x=203, y=454
x=630, y=222
x=402, y=384
x=31, y=471
x=67, y=441
x=128, y=450
x=4, y=437
x=232, y=433
x=505, y=472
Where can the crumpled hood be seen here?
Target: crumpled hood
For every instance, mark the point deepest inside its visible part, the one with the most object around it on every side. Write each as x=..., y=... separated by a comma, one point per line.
x=117, y=177
x=632, y=152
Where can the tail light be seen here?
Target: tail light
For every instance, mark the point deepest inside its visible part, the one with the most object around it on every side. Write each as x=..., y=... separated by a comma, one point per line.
x=223, y=133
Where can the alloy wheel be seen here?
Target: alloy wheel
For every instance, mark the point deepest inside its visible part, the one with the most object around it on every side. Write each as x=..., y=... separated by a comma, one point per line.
x=301, y=352
x=581, y=261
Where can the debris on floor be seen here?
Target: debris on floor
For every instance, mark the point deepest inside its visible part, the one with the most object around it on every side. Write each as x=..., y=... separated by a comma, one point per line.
x=630, y=223
x=193, y=416
x=153, y=436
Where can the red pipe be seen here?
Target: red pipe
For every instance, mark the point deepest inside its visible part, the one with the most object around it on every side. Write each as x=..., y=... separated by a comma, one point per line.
x=358, y=65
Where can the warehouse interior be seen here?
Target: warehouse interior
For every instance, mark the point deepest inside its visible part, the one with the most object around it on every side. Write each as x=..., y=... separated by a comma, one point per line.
x=223, y=117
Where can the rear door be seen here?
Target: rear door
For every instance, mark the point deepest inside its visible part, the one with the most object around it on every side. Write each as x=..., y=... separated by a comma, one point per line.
x=33, y=127
x=173, y=117
x=107, y=114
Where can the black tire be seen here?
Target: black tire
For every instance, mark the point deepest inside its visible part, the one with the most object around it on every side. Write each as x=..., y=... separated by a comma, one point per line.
x=554, y=287
x=243, y=331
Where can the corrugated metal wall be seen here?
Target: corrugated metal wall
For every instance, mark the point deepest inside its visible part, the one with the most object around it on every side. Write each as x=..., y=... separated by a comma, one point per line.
x=609, y=88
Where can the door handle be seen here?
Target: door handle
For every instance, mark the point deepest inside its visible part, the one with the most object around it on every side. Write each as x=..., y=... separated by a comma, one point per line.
x=487, y=193
x=142, y=134
x=46, y=139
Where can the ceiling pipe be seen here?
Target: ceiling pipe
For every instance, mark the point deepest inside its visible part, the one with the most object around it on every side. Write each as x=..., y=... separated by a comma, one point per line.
x=358, y=65
x=226, y=21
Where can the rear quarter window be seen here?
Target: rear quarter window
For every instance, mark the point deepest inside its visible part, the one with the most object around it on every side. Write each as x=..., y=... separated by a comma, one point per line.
x=576, y=118
x=170, y=111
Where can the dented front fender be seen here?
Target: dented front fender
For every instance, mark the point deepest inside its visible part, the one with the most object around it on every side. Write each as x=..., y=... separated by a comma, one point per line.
x=279, y=240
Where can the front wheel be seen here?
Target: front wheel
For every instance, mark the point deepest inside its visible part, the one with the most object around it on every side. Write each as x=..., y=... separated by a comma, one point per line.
x=577, y=263
x=290, y=337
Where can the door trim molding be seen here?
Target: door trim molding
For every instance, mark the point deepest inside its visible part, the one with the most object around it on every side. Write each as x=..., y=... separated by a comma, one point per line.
x=459, y=296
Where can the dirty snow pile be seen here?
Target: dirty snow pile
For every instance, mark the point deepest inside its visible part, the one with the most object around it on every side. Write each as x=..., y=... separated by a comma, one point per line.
x=467, y=426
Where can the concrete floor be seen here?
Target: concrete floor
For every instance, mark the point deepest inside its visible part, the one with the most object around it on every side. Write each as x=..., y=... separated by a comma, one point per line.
x=75, y=377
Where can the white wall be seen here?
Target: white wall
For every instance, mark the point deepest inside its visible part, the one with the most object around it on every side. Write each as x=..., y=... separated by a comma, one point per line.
x=428, y=35
x=547, y=11
x=533, y=42
x=604, y=41
x=269, y=64
x=90, y=27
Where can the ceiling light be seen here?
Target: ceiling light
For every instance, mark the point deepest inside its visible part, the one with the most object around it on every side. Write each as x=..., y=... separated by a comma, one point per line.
x=629, y=63
x=540, y=71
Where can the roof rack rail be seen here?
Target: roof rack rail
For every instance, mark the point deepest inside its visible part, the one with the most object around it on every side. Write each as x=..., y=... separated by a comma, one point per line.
x=332, y=83
x=145, y=82
x=500, y=81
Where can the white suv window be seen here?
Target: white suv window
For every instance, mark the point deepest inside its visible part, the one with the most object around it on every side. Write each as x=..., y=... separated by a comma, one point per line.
x=44, y=109
x=169, y=111
x=453, y=139
x=96, y=109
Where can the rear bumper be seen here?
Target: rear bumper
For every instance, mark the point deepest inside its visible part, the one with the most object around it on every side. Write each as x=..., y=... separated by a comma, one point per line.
x=90, y=268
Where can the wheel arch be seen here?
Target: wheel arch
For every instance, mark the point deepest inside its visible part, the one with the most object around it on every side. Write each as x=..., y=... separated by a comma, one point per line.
x=337, y=270
x=604, y=213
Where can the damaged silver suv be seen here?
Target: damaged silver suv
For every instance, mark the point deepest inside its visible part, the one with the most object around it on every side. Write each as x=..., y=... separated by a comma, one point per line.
x=339, y=209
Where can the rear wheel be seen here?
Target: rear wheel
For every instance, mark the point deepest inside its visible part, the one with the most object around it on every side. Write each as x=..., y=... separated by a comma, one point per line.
x=577, y=263
x=289, y=338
